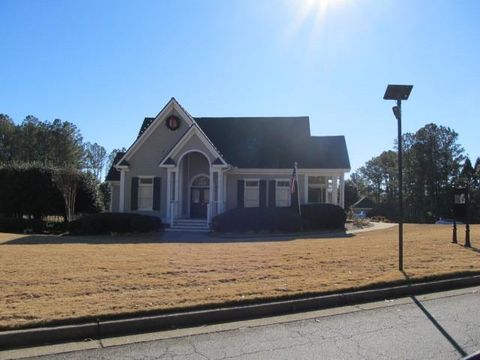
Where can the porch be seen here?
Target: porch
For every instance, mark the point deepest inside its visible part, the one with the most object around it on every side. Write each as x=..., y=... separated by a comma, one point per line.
x=195, y=191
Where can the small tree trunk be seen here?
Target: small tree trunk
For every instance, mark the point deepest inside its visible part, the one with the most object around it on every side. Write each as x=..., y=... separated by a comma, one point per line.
x=67, y=183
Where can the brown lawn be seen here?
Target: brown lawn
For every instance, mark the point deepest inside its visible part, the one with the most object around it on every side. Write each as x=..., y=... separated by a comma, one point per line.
x=49, y=282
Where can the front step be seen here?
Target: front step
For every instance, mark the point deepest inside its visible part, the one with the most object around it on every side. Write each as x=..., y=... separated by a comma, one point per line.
x=190, y=225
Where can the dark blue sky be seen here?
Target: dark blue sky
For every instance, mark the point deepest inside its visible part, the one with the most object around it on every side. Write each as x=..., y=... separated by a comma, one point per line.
x=104, y=65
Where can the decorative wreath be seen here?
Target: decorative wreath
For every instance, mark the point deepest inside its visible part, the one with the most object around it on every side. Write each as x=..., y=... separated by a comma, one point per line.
x=173, y=122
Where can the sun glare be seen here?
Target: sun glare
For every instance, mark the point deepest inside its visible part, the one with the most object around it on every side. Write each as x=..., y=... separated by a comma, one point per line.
x=315, y=11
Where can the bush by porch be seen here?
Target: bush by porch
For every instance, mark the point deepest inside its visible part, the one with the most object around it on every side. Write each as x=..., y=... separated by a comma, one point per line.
x=281, y=219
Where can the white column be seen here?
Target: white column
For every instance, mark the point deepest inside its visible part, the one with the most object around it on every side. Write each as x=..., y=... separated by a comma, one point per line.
x=220, y=192
x=335, y=190
x=305, y=185
x=110, y=186
x=177, y=191
x=122, y=191
x=180, y=191
x=169, y=191
x=342, y=190
x=210, y=195
x=224, y=192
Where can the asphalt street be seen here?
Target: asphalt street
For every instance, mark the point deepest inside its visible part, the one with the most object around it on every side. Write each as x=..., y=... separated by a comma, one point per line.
x=437, y=326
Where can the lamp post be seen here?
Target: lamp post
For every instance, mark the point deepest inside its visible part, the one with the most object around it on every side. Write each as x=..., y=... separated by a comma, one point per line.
x=459, y=208
x=399, y=93
x=467, y=214
x=454, y=216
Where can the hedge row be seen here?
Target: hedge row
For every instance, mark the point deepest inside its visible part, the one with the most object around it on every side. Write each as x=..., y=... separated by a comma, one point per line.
x=31, y=190
x=20, y=226
x=314, y=217
x=323, y=216
x=257, y=219
x=106, y=223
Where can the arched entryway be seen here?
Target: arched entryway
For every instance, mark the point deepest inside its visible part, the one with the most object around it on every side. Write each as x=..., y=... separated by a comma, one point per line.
x=194, y=180
x=199, y=196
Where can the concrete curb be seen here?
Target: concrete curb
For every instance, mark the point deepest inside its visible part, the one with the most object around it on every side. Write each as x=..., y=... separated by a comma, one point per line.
x=111, y=328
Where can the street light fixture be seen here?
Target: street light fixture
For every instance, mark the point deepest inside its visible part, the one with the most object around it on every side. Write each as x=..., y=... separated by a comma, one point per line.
x=399, y=93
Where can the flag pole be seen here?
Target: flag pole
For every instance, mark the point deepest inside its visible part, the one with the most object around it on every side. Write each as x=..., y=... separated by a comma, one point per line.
x=298, y=191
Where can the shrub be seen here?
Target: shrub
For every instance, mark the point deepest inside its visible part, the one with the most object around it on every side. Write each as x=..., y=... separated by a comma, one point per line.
x=323, y=216
x=106, y=223
x=29, y=189
x=257, y=219
x=284, y=219
x=20, y=226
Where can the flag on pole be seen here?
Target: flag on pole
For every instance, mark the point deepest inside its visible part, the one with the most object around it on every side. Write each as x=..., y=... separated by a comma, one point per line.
x=294, y=187
x=293, y=181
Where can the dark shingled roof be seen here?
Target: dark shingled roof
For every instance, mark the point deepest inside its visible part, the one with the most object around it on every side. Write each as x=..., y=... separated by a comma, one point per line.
x=114, y=174
x=274, y=142
x=146, y=123
x=271, y=142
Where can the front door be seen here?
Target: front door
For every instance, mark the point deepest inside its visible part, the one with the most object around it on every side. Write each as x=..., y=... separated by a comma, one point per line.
x=198, y=202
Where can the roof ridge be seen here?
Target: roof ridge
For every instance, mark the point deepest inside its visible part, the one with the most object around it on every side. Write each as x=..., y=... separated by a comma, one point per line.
x=253, y=117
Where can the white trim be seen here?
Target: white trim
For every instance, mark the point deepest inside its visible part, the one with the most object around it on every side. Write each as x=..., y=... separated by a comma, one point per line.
x=190, y=183
x=110, y=206
x=121, y=204
x=225, y=192
x=159, y=119
x=305, y=188
x=169, y=192
x=342, y=191
x=193, y=130
x=180, y=190
x=194, y=150
x=211, y=195
x=259, y=171
x=220, y=198
x=335, y=190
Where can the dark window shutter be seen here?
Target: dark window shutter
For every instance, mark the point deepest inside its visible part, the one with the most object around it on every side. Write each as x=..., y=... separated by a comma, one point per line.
x=263, y=193
x=271, y=193
x=157, y=186
x=134, y=197
x=240, y=193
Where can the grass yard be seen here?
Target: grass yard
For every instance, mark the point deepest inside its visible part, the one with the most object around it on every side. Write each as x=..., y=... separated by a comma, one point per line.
x=64, y=278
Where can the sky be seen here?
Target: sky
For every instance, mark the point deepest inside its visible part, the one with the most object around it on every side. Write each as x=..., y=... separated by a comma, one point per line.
x=105, y=65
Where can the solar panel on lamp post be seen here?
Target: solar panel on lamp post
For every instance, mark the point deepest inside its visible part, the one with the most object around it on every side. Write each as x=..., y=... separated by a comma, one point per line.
x=399, y=93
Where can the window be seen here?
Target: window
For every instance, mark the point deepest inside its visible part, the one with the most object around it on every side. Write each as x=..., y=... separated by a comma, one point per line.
x=252, y=193
x=282, y=193
x=317, y=189
x=201, y=181
x=145, y=194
